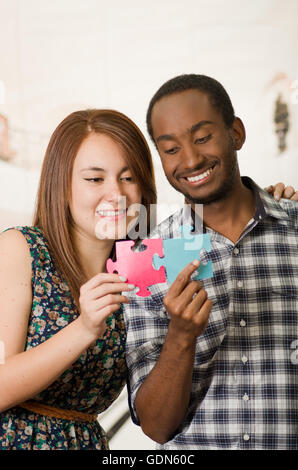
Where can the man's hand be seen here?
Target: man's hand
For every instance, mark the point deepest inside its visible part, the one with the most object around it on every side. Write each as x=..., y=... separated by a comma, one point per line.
x=279, y=191
x=163, y=398
x=188, y=305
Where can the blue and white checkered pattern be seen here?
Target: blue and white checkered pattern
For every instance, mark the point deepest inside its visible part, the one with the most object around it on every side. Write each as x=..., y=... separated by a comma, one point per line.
x=244, y=391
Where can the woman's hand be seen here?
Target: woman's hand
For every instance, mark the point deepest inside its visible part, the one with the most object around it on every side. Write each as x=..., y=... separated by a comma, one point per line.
x=99, y=297
x=188, y=305
x=279, y=191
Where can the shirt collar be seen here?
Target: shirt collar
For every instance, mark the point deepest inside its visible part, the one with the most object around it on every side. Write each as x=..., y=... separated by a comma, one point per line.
x=265, y=203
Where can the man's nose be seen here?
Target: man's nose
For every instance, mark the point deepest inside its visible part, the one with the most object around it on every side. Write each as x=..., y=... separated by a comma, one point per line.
x=192, y=156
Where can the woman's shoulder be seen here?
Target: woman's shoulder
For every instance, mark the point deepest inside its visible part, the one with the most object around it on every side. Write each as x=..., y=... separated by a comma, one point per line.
x=30, y=229
x=14, y=252
x=13, y=236
x=19, y=237
x=30, y=233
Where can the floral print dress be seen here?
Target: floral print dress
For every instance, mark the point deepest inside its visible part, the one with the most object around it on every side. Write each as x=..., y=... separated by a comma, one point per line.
x=90, y=385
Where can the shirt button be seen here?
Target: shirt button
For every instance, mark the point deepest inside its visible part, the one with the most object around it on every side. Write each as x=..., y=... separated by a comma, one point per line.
x=246, y=437
x=236, y=251
x=240, y=284
x=245, y=397
x=244, y=359
x=242, y=323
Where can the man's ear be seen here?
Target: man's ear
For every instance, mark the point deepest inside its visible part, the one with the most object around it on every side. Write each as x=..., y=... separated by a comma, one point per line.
x=238, y=133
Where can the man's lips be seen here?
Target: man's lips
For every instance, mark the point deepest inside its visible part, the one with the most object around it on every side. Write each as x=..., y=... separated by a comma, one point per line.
x=198, y=177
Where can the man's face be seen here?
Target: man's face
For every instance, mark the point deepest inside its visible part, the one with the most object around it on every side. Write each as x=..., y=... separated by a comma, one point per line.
x=198, y=152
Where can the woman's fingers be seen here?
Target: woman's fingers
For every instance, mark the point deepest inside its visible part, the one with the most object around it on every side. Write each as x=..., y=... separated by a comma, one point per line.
x=104, y=289
x=278, y=190
x=109, y=288
x=288, y=192
x=109, y=299
x=102, y=278
x=295, y=196
x=108, y=310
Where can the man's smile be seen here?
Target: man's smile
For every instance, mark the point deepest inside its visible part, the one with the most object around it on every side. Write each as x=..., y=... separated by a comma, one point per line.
x=197, y=178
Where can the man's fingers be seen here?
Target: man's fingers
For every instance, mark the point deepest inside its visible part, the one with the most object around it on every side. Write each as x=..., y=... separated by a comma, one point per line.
x=199, y=300
x=295, y=196
x=195, y=305
x=186, y=296
x=202, y=317
x=182, y=279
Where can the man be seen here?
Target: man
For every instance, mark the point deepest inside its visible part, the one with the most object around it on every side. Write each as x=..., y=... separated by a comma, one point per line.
x=210, y=363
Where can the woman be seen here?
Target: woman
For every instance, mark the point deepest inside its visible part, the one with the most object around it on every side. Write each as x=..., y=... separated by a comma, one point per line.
x=61, y=317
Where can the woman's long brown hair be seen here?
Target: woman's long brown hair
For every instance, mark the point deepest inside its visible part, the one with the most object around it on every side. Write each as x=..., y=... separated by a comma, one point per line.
x=52, y=214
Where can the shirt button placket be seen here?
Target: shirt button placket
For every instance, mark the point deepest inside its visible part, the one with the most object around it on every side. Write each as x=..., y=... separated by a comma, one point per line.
x=244, y=359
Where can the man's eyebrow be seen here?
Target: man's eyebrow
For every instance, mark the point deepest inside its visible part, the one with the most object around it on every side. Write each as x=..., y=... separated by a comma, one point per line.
x=198, y=125
x=193, y=129
x=165, y=137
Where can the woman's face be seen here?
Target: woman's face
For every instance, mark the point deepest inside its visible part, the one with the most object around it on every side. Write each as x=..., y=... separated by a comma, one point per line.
x=102, y=189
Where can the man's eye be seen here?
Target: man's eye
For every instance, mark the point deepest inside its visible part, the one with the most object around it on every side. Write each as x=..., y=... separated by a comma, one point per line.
x=172, y=150
x=203, y=140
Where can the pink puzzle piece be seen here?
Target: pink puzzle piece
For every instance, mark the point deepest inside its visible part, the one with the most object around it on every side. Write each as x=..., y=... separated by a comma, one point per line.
x=137, y=266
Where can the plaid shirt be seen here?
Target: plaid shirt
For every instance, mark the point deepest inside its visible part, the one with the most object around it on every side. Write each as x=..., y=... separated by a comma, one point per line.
x=244, y=386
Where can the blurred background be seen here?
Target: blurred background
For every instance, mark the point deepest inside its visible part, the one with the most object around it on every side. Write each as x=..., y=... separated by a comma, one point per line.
x=60, y=56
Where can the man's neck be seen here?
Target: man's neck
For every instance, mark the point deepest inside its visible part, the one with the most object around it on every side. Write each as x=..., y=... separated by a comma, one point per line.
x=229, y=216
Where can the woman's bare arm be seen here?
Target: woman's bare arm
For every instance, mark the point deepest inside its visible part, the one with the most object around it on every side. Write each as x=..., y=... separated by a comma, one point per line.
x=26, y=373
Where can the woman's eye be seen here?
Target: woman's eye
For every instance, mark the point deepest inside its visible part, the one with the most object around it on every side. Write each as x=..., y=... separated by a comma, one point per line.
x=127, y=178
x=94, y=180
x=203, y=140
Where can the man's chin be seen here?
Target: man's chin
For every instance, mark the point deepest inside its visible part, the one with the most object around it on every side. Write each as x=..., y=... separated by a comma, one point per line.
x=215, y=196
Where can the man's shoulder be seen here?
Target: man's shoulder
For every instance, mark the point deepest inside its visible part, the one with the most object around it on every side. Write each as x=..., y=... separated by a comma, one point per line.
x=291, y=208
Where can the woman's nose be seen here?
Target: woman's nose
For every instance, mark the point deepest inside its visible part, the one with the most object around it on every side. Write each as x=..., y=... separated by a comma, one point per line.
x=114, y=192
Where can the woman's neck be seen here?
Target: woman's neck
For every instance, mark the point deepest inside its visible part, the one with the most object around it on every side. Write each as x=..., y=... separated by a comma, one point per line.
x=92, y=252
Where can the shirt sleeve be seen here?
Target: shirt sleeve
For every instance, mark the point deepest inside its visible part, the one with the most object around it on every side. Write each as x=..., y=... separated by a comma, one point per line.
x=147, y=323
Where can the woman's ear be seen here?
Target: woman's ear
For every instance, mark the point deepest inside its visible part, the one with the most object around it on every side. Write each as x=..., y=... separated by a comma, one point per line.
x=238, y=133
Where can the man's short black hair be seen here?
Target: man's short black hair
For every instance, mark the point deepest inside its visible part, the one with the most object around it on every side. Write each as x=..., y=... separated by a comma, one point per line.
x=218, y=96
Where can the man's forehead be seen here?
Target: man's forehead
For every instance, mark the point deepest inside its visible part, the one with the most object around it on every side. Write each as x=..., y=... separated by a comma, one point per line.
x=181, y=110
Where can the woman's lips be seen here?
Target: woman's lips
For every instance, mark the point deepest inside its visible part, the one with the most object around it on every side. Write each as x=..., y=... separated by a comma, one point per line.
x=111, y=215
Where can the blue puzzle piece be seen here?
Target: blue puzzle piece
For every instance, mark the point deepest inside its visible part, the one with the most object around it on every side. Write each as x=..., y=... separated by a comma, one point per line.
x=178, y=252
